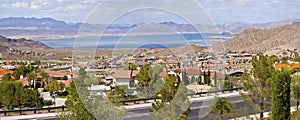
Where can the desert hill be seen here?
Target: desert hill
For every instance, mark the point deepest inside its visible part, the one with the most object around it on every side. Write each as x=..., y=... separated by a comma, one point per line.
x=21, y=43
x=190, y=48
x=258, y=41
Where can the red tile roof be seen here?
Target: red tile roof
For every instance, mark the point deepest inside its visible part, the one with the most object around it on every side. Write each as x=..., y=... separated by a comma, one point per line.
x=196, y=72
x=163, y=73
x=3, y=72
x=124, y=73
x=24, y=81
x=68, y=82
x=296, y=65
x=193, y=72
x=58, y=73
x=286, y=66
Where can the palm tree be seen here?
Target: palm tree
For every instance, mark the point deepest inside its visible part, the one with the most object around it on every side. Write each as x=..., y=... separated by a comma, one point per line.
x=31, y=76
x=45, y=77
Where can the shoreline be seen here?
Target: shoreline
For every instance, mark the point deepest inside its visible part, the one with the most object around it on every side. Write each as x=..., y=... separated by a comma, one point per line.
x=65, y=36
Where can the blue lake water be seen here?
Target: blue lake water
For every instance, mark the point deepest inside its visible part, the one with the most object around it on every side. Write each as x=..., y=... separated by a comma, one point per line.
x=133, y=41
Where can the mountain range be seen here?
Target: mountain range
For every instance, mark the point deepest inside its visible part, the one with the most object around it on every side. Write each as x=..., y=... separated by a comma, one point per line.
x=39, y=28
x=261, y=41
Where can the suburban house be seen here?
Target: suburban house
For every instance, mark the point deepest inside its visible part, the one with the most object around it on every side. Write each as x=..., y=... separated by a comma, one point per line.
x=194, y=76
x=64, y=77
x=123, y=76
x=288, y=53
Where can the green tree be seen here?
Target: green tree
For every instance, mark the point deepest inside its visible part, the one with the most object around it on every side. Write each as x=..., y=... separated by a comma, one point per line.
x=297, y=59
x=21, y=98
x=23, y=70
x=221, y=106
x=258, y=83
x=284, y=60
x=6, y=77
x=281, y=95
x=295, y=88
x=31, y=77
x=178, y=64
x=45, y=78
x=75, y=106
x=55, y=86
x=174, y=104
x=156, y=81
x=225, y=84
x=77, y=109
x=82, y=106
x=13, y=93
x=37, y=62
x=82, y=72
x=143, y=76
x=207, y=78
x=274, y=58
x=7, y=93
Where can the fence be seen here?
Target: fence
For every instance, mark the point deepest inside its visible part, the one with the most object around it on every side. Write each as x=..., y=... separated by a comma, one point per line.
x=34, y=110
x=134, y=101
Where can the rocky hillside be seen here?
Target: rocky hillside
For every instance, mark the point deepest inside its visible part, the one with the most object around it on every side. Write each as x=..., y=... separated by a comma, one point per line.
x=257, y=41
x=3, y=48
x=21, y=43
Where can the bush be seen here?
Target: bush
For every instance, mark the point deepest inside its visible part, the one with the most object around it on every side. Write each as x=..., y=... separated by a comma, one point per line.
x=39, y=105
x=48, y=102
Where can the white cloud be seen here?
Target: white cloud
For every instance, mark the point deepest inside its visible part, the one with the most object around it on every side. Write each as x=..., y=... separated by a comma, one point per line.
x=63, y=1
x=16, y=5
x=34, y=5
x=90, y=1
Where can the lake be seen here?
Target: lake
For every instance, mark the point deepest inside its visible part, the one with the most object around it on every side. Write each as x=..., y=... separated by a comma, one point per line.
x=133, y=41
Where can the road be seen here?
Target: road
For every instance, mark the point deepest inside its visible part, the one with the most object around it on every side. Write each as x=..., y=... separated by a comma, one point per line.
x=199, y=110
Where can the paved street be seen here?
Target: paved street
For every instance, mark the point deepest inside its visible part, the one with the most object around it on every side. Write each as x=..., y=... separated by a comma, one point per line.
x=199, y=109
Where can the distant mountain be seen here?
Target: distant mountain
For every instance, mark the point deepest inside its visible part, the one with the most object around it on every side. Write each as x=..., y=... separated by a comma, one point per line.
x=40, y=28
x=43, y=23
x=21, y=43
x=260, y=41
x=296, y=23
x=240, y=27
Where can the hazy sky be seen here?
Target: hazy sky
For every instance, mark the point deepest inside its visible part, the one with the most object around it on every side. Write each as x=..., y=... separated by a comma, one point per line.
x=220, y=11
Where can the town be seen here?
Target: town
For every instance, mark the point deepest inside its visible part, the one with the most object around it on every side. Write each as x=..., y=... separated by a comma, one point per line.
x=122, y=76
x=149, y=60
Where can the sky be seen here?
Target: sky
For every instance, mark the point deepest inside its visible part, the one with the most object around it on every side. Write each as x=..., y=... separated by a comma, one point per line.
x=220, y=11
